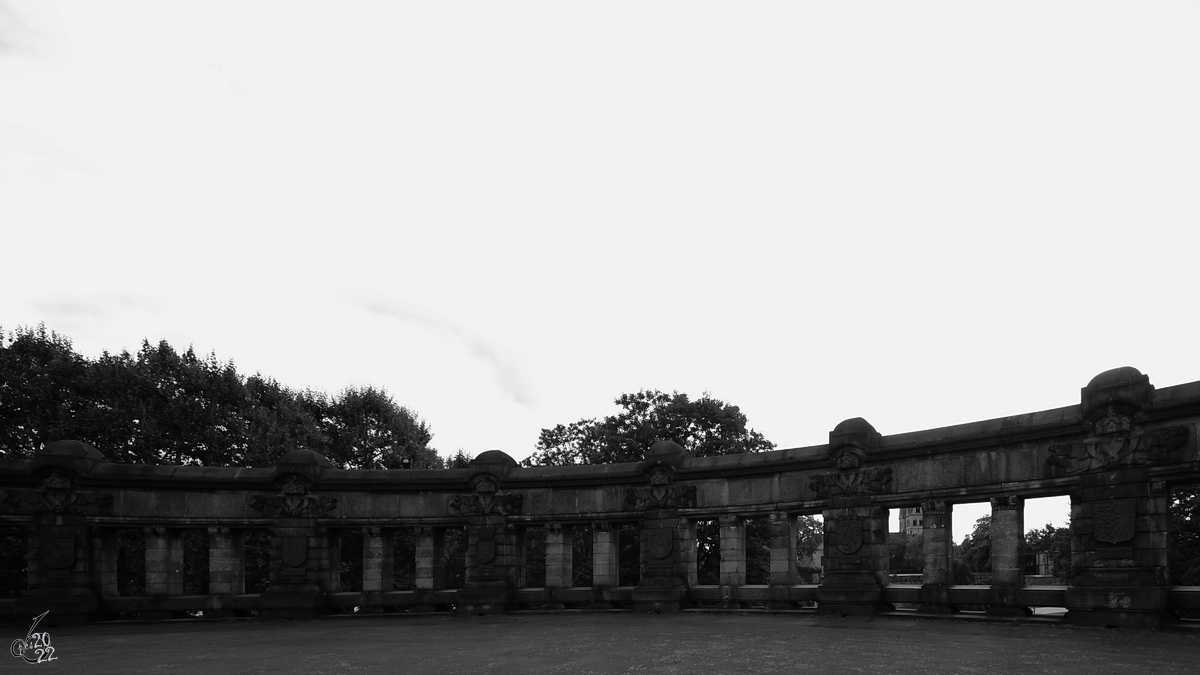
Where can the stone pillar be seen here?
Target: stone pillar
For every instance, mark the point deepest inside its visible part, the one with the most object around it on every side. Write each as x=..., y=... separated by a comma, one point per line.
x=733, y=559
x=379, y=567
x=856, y=558
x=491, y=566
x=59, y=571
x=1008, y=556
x=519, y=541
x=226, y=564
x=304, y=563
x=378, y=559
x=1119, y=550
x=662, y=585
x=560, y=549
x=605, y=567
x=938, y=546
x=687, y=550
x=783, y=559
x=104, y=561
x=164, y=568
x=226, y=569
x=164, y=561
x=431, y=558
x=560, y=559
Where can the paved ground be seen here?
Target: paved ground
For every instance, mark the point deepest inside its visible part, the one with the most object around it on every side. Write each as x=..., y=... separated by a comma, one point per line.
x=610, y=643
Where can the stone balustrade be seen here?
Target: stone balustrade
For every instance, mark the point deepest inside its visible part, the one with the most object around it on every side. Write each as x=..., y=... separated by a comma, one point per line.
x=1116, y=453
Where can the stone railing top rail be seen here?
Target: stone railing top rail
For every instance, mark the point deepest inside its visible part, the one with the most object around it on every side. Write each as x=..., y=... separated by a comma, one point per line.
x=1117, y=401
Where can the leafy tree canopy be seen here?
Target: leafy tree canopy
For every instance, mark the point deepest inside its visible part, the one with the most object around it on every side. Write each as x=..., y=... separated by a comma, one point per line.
x=705, y=427
x=159, y=406
x=1184, y=546
x=1053, y=540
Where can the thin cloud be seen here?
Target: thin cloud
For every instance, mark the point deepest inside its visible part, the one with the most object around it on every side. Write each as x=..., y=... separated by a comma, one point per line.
x=506, y=373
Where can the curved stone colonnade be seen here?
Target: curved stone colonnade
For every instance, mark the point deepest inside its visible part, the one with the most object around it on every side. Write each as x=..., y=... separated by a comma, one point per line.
x=1116, y=453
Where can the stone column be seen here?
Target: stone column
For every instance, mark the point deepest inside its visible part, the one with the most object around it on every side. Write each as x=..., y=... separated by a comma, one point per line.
x=431, y=559
x=856, y=558
x=519, y=552
x=59, y=570
x=560, y=559
x=687, y=550
x=328, y=558
x=783, y=559
x=560, y=550
x=164, y=561
x=1119, y=550
x=1008, y=556
x=938, y=546
x=104, y=561
x=226, y=562
x=605, y=567
x=226, y=569
x=379, y=555
x=164, y=569
x=733, y=559
x=305, y=565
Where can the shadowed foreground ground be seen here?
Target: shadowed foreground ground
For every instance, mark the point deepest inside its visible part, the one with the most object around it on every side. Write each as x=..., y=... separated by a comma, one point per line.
x=606, y=643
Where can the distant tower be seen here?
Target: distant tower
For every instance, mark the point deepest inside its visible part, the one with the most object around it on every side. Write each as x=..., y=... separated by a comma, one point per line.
x=910, y=521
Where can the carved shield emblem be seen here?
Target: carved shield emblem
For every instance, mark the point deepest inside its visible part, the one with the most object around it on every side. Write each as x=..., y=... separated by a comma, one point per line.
x=849, y=535
x=485, y=545
x=58, y=553
x=1114, y=521
x=295, y=551
x=659, y=543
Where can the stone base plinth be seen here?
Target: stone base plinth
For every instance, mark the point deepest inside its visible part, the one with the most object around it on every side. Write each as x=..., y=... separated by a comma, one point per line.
x=1004, y=603
x=659, y=599
x=65, y=610
x=1116, y=606
x=483, y=596
x=777, y=598
x=849, y=593
x=291, y=603
x=1117, y=597
x=935, y=599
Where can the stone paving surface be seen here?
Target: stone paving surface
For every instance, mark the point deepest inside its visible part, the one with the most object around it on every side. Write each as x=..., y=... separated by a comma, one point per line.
x=608, y=643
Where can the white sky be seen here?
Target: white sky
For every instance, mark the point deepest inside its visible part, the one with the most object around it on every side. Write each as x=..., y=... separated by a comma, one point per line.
x=507, y=214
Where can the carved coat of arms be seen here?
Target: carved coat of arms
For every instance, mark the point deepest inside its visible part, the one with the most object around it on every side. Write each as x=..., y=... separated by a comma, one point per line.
x=58, y=552
x=660, y=542
x=848, y=535
x=661, y=494
x=485, y=545
x=1114, y=521
x=487, y=500
x=295, y=550
x=293, y=500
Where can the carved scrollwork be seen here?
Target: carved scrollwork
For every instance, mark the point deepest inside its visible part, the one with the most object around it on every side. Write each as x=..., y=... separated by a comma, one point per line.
x=871, y=480
x=487, y=500
x=294, y=501
x=1117, y=450
x=56, y=495
x=661, y=494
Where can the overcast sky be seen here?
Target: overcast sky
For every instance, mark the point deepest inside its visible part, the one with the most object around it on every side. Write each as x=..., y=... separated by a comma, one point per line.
x=509, y=213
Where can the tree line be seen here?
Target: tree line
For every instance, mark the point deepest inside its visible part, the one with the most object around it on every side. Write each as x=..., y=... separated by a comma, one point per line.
x=162, y=406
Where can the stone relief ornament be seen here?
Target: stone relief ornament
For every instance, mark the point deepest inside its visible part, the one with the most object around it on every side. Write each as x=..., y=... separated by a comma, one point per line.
x=294, y=501
x=851, y=482
x=661, y=494
x=56, y=495
x=1113, y=522
x=1115, y=447
x=848, y=535
x=487, y=500
x=57, y=553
